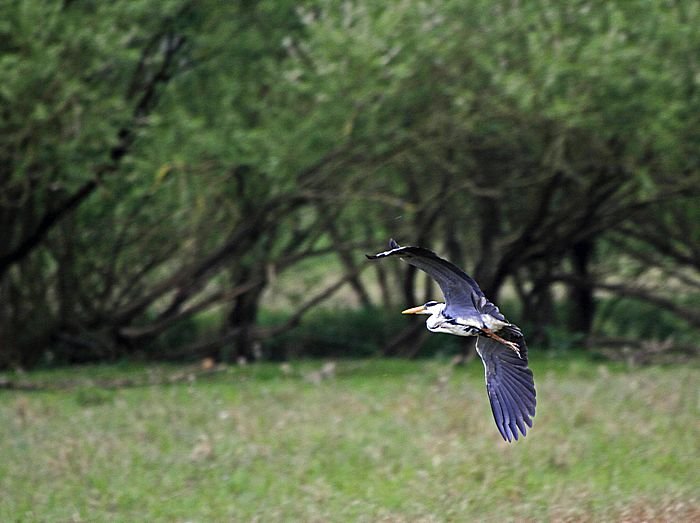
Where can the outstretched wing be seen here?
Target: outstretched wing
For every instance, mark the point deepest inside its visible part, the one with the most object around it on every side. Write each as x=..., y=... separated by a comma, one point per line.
x=461, y=292
x=510, y=385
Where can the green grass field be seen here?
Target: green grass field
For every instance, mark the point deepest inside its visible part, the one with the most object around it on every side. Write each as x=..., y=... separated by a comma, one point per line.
x=379, y=441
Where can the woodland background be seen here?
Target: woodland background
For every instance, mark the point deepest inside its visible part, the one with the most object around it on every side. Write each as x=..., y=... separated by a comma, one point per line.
x=181, y=180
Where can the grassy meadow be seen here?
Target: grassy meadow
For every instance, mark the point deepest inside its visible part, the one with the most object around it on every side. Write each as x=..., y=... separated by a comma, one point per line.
x=364, y=440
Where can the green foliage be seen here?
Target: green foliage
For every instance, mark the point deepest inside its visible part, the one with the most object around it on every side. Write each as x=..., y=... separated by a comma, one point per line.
x=222, y=144
x=349, y=333
x=65, y=72
x=634, y=319
x=381, y=440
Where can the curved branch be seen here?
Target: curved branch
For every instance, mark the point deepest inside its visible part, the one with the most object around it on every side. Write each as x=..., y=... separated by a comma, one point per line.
x=685, y=313
x=295, y=319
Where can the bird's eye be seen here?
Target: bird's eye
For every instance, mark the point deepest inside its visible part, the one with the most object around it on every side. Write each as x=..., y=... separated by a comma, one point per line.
x=430, y=304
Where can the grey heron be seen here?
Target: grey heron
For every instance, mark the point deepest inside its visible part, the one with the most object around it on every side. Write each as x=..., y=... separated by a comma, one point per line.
x=499, y=343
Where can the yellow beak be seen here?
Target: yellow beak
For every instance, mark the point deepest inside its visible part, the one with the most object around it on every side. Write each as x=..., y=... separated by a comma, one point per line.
x=414, y=310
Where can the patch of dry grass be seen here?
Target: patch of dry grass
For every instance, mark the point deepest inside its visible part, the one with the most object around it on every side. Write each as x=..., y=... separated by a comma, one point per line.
x=376, y=441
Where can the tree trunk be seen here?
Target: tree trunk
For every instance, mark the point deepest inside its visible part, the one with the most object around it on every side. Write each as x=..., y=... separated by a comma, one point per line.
x=384, y=286
x=539, y=311
x=581, y=295
x=242, y=319
x=489, y=230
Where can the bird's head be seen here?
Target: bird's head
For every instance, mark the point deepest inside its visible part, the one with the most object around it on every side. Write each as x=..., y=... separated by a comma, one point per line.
x=429, y=308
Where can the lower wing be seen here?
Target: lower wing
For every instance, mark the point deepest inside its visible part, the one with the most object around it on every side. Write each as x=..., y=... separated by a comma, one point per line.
x=510, y=386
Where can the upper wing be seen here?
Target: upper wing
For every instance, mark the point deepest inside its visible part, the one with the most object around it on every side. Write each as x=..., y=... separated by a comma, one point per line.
x=459, y=289
x=510, y=385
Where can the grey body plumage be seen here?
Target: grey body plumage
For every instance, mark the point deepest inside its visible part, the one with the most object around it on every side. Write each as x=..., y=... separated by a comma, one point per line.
x=500, y=344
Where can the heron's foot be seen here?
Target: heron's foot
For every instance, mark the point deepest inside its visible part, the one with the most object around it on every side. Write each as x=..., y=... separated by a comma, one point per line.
x=510, y=344
x=514, y=346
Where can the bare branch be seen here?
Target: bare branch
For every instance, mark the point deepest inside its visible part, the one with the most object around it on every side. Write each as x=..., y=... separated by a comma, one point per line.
x=164, y=322
x=47, y=222
x=685, y=313
x=293, y=321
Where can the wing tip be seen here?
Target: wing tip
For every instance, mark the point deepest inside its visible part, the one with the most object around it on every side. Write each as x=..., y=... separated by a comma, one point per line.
x=522, y=426
x=512, y=423
x=393, y=245
x=509, y=435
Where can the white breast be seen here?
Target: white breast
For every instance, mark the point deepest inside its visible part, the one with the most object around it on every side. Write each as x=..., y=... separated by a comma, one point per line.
x=436, y=323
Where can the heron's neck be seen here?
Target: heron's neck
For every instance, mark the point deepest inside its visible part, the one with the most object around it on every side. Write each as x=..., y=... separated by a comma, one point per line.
x=436, y=317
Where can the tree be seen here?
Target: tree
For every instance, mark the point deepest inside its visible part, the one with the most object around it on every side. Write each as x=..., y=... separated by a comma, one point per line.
x=161, y=166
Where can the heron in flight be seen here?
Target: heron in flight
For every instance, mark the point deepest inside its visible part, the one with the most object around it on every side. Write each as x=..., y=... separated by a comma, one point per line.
x=499, y=343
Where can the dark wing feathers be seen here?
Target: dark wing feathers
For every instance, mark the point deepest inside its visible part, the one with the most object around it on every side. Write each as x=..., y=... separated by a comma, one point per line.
x=509, y=384
x=460, y=290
